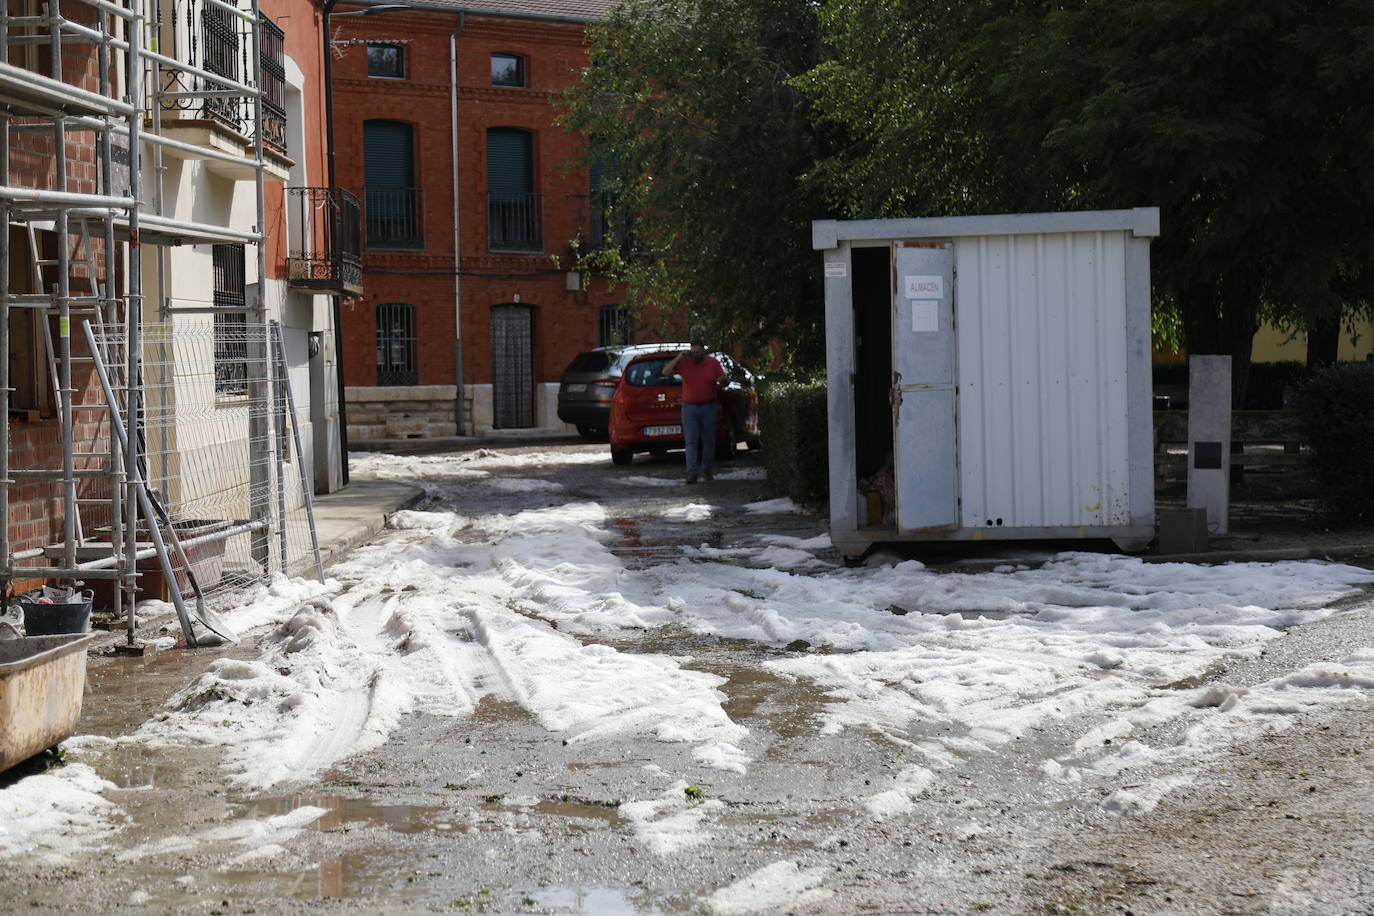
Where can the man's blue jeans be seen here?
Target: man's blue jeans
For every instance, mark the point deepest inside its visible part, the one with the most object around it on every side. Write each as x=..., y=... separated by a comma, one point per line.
x=699, y=431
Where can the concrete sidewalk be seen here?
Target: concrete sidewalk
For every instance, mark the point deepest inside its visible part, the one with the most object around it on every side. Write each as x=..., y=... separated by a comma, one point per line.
x=352, y=516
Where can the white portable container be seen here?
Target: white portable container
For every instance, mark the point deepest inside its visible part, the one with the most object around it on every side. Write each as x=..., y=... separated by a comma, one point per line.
x=989, y=377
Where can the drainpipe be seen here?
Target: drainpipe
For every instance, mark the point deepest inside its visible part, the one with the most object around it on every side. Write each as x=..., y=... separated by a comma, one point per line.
x=457, y=234
x=328, y=48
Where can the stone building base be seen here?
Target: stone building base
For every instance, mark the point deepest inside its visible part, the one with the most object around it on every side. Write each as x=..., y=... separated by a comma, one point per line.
x=427, y=412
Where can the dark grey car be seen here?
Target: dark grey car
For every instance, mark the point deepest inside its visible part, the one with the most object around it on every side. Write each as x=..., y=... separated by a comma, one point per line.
x=586, y=386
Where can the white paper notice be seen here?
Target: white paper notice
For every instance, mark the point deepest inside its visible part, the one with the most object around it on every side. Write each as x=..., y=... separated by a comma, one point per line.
x=835, y=269
x=925, y=317
x=924, y=287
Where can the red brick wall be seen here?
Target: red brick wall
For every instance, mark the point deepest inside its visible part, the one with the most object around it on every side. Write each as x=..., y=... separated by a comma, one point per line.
x=36, y=507
x=33, y=163
x=564, y=322
x=302, y=21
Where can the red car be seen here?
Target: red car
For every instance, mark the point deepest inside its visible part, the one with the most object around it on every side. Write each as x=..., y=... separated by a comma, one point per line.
x=646, y=411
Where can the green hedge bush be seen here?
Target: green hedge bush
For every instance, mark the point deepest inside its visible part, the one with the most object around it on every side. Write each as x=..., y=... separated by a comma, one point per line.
x=1336, y=411
x=1265, y=388
x=1269, y=381
x=795, y=433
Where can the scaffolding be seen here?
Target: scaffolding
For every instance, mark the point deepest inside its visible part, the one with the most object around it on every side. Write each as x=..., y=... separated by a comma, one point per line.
x=88, y=89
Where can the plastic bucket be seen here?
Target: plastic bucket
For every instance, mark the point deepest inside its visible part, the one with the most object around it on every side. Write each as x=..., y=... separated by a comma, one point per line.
x=42, y=619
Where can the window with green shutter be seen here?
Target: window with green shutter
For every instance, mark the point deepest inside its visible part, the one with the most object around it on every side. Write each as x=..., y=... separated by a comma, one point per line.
x=394, y=205
x=513, y=207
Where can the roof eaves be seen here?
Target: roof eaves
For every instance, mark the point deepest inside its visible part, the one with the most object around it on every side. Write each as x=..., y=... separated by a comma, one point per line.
x=459, y=7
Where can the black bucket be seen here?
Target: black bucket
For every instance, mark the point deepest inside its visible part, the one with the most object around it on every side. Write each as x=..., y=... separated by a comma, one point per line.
x=43, y=619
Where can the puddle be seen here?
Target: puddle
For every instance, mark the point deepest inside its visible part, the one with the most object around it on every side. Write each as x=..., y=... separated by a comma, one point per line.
x=123, y=692
x=345, y=811
x=642, y=551
x=365, y=873
x=586, y=901
x=491, y=709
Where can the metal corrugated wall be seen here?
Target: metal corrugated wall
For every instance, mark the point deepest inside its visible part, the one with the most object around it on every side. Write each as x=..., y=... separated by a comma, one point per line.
x=1042, y=368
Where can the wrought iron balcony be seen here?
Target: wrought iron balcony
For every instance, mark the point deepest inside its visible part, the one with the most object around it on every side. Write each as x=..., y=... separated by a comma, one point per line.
x=324, y=252
x=513, y=222
x=612, y=227
x=207, y=36
x=395, y=217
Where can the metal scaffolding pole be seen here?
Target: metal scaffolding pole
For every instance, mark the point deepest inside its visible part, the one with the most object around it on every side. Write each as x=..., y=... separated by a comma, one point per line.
x=75, y=229
x=260, y=442
x=5, y=318
x=133, y=317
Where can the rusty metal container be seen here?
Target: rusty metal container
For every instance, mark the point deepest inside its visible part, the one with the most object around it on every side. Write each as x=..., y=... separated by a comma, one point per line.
x=42, y=679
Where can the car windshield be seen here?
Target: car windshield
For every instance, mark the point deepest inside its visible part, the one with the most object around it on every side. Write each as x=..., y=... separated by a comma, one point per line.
x=649, y=372
x=591, y=361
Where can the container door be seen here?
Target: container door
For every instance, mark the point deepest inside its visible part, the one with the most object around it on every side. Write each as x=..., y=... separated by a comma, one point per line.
x=923, y=390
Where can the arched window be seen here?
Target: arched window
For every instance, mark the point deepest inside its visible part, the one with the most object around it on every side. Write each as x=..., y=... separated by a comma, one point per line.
x=396, y=364
x=508, y=70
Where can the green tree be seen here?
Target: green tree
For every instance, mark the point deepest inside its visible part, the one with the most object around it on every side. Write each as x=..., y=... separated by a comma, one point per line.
x=692, y=102
x=1245, y=121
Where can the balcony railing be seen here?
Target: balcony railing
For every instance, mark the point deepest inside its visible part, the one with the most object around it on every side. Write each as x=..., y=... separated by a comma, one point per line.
x=212, y=38
x=513, y=222
x=325, y=253
x=395, y=217
x=612, y=230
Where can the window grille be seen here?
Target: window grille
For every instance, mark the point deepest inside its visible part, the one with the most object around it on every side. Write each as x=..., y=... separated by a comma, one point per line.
x=219, y=39
x=231, y=302
x=273, y=85
x=616, y=325
x=396, y=363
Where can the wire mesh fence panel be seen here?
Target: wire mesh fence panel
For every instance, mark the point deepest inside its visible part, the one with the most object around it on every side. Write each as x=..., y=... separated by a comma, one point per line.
x=216, y=453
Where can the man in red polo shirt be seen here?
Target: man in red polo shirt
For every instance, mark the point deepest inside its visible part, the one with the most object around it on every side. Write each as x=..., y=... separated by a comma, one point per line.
x=701, y=378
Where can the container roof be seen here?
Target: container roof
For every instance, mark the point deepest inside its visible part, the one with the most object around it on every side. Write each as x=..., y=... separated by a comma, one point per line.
x=1140, y=221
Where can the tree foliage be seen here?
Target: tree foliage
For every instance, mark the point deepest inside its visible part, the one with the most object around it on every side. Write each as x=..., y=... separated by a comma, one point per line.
x=1243, y=120
x=692, y=101
x=1246, y=122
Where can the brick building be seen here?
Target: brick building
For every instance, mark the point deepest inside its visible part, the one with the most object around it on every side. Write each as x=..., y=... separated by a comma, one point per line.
x=222, y=243
x=399, y=76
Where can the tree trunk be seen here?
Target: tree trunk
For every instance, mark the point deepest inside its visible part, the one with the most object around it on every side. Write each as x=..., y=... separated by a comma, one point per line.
x=1223, y=319
x=1323, y=341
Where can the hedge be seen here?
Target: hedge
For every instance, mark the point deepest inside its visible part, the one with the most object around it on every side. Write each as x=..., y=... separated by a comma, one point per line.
x=793, y=425
x=1266, y=386
x=1335, y=409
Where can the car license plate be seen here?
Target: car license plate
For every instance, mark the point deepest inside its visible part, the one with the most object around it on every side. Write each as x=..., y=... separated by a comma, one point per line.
x=572, y=388
x=663, y=430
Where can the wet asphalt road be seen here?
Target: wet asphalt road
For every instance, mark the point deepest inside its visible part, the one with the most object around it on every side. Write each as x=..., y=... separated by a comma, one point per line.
x=494, y=814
